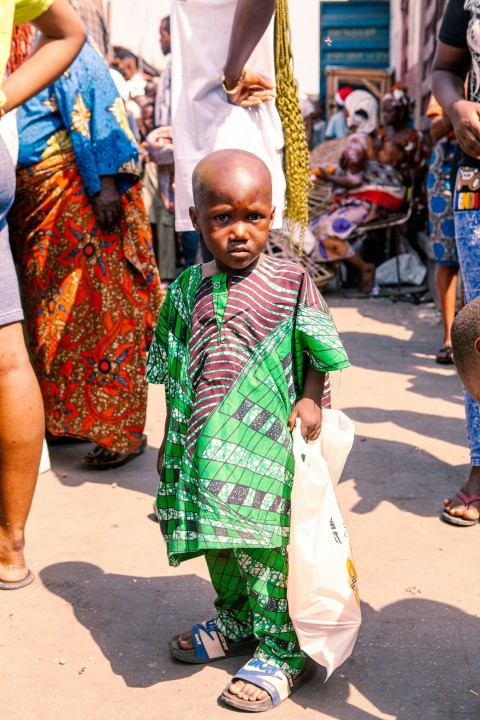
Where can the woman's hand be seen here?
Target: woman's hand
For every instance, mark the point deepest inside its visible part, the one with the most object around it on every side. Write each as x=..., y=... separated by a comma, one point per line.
x=310, y=415
x=106, y=203
x=465, y=117
x=254, y=90
x=325, y=174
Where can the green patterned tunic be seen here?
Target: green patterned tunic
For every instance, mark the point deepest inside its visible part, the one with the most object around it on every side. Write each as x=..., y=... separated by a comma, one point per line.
x=233, y=363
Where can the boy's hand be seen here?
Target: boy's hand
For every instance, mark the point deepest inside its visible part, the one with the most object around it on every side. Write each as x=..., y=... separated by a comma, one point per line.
x=309, y=407
x=310, y=415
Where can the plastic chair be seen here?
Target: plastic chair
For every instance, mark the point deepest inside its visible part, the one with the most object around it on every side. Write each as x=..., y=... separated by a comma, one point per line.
x=390, y=222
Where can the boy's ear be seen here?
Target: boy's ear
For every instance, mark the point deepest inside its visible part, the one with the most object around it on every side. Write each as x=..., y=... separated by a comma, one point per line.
x=192, y=211
x=477, y=346
x=272, y=216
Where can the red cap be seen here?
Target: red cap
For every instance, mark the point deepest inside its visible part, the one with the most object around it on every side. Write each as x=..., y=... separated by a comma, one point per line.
x=342, y=94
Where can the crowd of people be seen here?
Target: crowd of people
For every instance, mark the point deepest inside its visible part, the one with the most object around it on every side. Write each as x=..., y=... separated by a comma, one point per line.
x=143, y=207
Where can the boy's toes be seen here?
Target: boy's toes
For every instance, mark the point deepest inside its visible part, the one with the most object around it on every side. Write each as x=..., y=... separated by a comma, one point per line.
x=185, y=641
x=257, y=694
x=246, y=691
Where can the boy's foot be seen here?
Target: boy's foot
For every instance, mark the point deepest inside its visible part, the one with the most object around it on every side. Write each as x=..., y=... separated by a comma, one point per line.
x=243, y=690
x=464, y=507
x=185, y=641
x=246, y=691
x=259, y=686
x=205, y=643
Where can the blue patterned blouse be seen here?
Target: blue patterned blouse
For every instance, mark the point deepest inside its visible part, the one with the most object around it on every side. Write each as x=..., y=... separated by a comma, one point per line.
x=82, y=111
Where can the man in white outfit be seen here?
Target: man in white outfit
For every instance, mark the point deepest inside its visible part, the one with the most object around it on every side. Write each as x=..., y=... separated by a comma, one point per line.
x=223, y=76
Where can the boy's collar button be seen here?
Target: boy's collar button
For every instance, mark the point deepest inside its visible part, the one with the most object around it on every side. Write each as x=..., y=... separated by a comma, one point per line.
x=216, y=285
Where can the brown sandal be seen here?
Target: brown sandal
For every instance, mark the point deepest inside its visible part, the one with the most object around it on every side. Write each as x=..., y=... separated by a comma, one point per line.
x=102, y=459
x=444, y=355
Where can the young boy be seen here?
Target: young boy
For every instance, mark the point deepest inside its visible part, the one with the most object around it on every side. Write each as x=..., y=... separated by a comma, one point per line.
x=464, y=508
x=242, y=345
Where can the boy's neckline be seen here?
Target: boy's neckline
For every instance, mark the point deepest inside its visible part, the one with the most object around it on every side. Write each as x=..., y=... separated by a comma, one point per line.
x=209, y=270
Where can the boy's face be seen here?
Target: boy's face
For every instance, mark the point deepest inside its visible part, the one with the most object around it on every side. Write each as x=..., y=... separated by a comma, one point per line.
x=234, y=215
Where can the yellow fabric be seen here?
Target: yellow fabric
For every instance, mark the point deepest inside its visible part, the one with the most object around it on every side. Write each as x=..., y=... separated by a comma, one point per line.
x=26, y=10
x=16, y=12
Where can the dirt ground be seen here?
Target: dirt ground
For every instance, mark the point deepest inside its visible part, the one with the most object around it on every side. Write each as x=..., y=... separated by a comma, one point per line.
x=89, y=638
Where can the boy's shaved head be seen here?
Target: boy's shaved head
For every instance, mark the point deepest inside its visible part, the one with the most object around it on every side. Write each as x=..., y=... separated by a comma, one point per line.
x=212, y=171
x=465, y=334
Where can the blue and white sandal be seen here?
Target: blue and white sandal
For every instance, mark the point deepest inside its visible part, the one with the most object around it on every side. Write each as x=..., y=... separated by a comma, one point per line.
x=209, y=645
x=276, y=683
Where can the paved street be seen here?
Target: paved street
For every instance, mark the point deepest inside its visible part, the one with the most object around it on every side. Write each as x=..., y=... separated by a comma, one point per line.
x=89, y=638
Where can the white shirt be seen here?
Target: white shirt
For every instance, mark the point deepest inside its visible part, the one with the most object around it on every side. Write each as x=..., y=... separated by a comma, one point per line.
x=9, y=134
x=203, y=120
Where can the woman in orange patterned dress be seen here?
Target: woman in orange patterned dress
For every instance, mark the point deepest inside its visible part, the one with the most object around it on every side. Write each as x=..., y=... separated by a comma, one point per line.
x=90, y=284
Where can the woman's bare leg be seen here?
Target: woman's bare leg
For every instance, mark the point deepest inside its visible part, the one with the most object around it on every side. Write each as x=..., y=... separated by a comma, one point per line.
x=367, y=272
x=447, y=296
x=21, y=437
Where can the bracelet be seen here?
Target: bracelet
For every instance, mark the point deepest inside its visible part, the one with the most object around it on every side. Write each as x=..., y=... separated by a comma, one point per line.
x=237, y=87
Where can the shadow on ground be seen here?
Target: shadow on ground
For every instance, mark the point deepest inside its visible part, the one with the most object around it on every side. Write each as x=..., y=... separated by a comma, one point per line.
x=404, y=654
x=442, y=427
x=408, y=477
x=139, y=475
x=385, y=353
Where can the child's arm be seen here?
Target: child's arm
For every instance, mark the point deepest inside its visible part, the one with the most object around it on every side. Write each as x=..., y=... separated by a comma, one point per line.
x=308, y=409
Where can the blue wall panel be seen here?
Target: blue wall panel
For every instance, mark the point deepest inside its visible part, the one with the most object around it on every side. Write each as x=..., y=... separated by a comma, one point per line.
x=354, y=34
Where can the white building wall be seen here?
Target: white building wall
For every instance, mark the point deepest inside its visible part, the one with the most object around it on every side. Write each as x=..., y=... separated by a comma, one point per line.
x=134, y=25
x=305, y=28
x=396, y=40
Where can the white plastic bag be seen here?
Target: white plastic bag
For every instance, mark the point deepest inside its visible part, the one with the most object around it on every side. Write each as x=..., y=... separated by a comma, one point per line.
x=322, y=588
x=412, y=270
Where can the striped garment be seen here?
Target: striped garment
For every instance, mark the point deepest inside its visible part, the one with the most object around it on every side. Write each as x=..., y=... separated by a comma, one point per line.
x=233, y=363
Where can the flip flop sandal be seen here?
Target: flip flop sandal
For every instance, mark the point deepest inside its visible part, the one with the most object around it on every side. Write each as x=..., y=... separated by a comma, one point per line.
x=4, y=585
x=269, y=678
x=210, y=645
x=458, y=519
x=444, y=356
x=94, y=459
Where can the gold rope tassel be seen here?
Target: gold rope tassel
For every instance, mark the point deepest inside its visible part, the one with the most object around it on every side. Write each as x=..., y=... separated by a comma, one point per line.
x=296, y=157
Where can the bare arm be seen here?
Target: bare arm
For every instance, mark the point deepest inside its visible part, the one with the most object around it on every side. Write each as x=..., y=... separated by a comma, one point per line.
x=63, y=35
x=450, y=67
x=250, y=21
x=440, y=126
x=308, y=409
x=339, y=180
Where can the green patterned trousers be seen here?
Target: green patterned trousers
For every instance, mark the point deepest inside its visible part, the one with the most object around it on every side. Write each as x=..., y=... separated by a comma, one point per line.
x=251, y=587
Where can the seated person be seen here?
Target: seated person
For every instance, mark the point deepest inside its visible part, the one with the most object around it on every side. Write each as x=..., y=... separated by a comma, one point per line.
x=396, y=142
x=337, y=126
x=363, y=188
